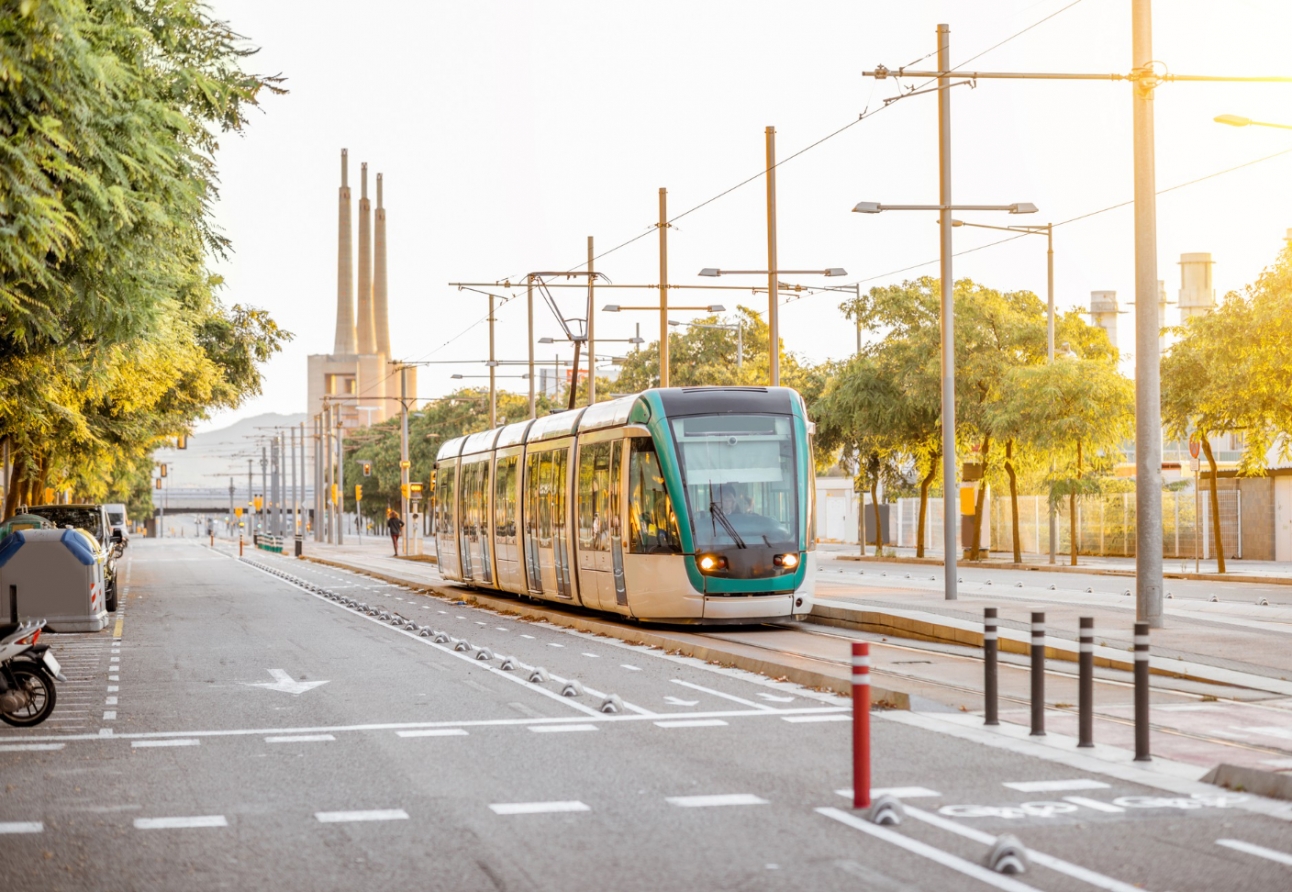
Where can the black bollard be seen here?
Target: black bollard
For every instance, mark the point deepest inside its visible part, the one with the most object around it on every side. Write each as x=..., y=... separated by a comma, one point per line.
x=989, y=664
x=1141, y=693
x=1038, y=674
x=1086, y=684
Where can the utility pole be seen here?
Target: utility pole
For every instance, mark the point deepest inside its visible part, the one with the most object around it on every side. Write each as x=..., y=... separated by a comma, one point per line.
x=773, y=274
x=232, y=514
x=493, y=380
x=318, y=478
x=950, y=487
x=663, y=287
x=592, y=341
x=404, y=463
x=340, y=478
x=291, y=433
x=327, y=472
x=264, y=487
x=529, y=302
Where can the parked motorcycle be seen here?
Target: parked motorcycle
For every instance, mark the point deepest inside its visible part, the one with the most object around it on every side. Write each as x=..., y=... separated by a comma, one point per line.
x=27, y=673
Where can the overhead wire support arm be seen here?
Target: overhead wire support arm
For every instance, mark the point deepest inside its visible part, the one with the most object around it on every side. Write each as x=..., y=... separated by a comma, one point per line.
x=1151, y=75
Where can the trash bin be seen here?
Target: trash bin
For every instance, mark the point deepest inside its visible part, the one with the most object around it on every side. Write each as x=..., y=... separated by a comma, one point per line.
x=56, y=575
x=300, y=546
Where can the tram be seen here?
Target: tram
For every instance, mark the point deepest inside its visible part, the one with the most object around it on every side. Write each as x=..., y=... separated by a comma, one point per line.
x=674, y=505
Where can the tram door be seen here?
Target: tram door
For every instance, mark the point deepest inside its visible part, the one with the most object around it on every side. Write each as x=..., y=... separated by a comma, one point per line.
x=477, y=562
x=506, y=510
x=600, y=551
x=446, y=538
x=547, y=545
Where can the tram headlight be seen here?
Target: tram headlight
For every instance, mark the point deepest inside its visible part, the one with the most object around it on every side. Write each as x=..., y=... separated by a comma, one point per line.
x=710, y=563
x=788, y=561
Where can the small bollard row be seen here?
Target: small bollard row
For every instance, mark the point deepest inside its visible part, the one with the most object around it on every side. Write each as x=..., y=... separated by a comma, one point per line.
x=1085, y=679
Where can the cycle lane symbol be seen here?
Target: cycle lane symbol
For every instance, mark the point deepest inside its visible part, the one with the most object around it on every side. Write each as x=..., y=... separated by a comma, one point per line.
x=1053, y=809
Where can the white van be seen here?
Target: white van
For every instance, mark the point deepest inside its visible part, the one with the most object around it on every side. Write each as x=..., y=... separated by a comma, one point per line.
x=117, y=521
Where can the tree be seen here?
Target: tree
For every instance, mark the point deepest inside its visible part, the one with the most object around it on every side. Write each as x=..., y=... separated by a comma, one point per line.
x=1081, y=409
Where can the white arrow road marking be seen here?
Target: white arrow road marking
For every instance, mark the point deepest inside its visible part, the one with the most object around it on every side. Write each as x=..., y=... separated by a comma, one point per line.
x=678, y=701
x=285, y=683
x=775, y=699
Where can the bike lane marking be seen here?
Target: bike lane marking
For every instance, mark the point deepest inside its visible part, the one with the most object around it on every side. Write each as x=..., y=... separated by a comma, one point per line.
x=1258, y=851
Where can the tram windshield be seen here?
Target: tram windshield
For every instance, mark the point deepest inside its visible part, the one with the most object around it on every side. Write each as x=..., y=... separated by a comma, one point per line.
x=740, y=479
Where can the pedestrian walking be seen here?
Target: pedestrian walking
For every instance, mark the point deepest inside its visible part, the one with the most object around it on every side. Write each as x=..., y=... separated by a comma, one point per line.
x=395, y=527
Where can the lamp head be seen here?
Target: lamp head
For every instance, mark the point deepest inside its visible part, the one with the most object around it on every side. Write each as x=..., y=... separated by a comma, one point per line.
x=711, y=272
x=836, y=271
x=670, y=322
x=610, y=308
x=867, y=207
x=456, y=377
x=1022, y=207
x=717, y=308
x=1232, y=120
x=546, y=341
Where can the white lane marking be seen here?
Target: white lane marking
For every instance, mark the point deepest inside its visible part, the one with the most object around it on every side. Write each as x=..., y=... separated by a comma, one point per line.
x=114, y=660
x=896, y=792
x=1055, y=785
x=114, y=678
x=678, y=701
x=715, y=801
x=1258, y=851
x=816, y=718
x=536, y=808
x=530, y=637
x=946, y=859
x=300, y=738
x=554, y=644
x=30, y=747
x=180, y=823
x=21, y=827
x=1095, y=804
x=478, y=623
x=284, y=683
x=551, y=729
x=175, y=741
x=774, y=698
x=593, y=656
x=113, y=688
x=500, y=629
x=343, y=817
x=109, y=715
x=732, y=697
x=434, y=732
x=110, y=701
x=1076, y=871
x=630, y=668
x=690, y=723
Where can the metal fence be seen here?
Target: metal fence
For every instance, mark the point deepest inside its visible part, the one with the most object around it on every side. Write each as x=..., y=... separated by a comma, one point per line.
x=1105, y=524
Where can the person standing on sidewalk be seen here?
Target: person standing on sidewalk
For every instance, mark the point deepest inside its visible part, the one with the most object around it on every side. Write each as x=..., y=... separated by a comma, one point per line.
x=394, y=526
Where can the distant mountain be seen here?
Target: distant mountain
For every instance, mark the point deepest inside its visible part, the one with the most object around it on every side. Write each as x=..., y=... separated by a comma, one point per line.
x=214, y=456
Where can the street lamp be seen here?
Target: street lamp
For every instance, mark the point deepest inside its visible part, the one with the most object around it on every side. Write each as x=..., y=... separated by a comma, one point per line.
x=773, y=315
x=1048, y=230
x=1237, y=121
x=617, y=308
x=949, y=487
x=740, y=337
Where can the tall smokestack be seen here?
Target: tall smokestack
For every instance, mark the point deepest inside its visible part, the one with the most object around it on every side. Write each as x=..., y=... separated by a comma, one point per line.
x=363, y=325
x=380, y=319
x=344, y=273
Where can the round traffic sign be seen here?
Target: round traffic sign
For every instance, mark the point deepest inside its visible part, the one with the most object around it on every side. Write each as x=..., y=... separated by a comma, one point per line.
x=1195, y=447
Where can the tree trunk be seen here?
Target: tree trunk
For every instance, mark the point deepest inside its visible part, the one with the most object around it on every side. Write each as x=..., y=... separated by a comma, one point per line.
x=1215, y=507
x=1013, y=499
x=924, y=504
x=879, y=530
x=982, y=498
x=38, y=485
x=1072, y=509
x=13, y=495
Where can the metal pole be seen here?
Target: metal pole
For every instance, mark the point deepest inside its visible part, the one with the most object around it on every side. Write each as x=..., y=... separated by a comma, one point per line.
x=1141, y=694
x=318, y=481
x=991, y=676
x=1148, y=389
x=1086, y=683
x=1038, y=674
x=493, y=377
x=950, y=511
x=403, y=449
x=1197, y=519
x=251, y=496
x=232, y=516
x=663, y=287
x=740, y=348
x=327, y=471
x=860, y=724
x=529, y=300
x=773, y=278
x=592, y=342
x=263, y=513
x=1049, y=348
x=340, y=479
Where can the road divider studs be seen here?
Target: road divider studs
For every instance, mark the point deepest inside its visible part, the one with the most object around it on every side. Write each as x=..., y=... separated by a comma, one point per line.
x=484, y=654
x=1018, y=585
x=988, y=582
x=461, y=645
x=612, y=705
x=1213, y=599
x=440, y=638
x=1263, y=602
x=572, y=689
x=507, y=663
x=1053, y=587
x=424, y=631
x=538, y=675
x=1089, y=590
x=1169, y=595
x=1126, y=593
x=1008, y=855
x=886, y=810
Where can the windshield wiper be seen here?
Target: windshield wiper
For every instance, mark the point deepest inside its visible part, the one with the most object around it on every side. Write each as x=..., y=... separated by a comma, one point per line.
x=715, y=510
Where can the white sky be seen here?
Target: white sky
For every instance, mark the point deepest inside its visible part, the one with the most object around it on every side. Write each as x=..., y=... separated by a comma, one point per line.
x=508, y=132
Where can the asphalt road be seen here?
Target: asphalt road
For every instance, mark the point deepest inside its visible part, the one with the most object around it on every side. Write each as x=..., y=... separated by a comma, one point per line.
x=253, y=734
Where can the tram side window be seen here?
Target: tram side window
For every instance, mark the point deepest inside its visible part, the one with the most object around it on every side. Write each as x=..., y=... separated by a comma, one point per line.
x=559, y=489
x=594, y=497
x=504, y=499
x=651, y=519
x=444, y=499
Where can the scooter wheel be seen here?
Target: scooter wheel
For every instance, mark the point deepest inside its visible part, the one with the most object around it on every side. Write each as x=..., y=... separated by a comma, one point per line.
x=40, y=691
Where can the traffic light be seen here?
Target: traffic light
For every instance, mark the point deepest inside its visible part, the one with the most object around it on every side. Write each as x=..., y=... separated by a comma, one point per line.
x=415, y=491
x=237, y=512
x=358, y=492
x=334, y=493
x=259, y=502
x=163, y=469
x=181, y=442
x=367, y=468
x=158, y=482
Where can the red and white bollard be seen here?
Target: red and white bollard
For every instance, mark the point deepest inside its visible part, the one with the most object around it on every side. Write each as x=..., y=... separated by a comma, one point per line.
x=860, y=724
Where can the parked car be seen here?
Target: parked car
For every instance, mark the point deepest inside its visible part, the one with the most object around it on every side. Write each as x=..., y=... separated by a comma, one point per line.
x=93, y=519
x=119, y=521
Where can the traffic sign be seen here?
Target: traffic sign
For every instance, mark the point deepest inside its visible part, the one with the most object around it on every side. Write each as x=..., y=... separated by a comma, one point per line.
x=358, y=492
x=259, y=502
x=1195, y=447
x=1195, y=464
x=237, y=511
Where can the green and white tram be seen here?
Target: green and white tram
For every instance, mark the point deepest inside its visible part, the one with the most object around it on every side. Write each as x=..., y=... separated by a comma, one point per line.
x=676, y=505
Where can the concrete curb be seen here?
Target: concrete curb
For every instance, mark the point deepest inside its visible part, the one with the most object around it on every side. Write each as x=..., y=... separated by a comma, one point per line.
x=1250, y=780
x=722, y=653
x=1057, y=568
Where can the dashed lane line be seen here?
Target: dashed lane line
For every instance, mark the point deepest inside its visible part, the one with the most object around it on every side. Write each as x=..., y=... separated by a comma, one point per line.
x=180, y=823
x=690, y=723
x=345, y=817
x=555, y=729
x=717, y=801
x=180, y=741
x=896, y=792
x=30, y=747
x=300, y=738
x=1259, y=851
x=536, y=808
x=1055, y=786
x=799, y=719
x=1058, y=865
x=924, y=850
x=434, y=732
x=21, y=827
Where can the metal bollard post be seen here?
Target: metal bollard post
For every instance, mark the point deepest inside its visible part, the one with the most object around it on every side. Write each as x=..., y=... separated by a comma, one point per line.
x=1038, y=674
x=860, y=724
x=239, y=545
x=1086, y=684
x=1141, y=694
x=989, y=663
